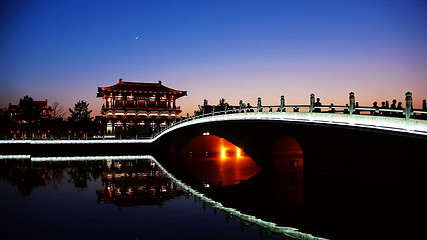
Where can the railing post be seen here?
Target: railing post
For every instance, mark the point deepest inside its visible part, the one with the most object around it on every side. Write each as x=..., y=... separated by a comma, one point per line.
x=225, y=109
x=194, y=114
x=203, y=112
x=282, y=103
x=259, y=109
x=240, y=106
x=408, y=108
x=352, y=103
x=311, y=102
x=213, y=110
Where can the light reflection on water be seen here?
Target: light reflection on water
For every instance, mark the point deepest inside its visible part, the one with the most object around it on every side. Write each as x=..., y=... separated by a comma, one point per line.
x=104, y=200
x=236, y=180
x=218, y=162
x=217, y=169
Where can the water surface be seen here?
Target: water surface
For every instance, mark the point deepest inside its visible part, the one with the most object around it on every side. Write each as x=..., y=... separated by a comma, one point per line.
x=104, y=200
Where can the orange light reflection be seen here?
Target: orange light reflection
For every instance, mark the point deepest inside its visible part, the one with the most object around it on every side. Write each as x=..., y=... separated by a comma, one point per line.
x=226, y=164
x=223, y=151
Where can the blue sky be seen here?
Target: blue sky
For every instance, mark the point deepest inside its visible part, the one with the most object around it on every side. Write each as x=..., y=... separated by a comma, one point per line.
x=63, y=50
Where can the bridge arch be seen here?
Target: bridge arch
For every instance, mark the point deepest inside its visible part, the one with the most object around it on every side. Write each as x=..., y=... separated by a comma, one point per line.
x=255, y=137
x=209, y=144
x=216, y=161
x=287, y=155
x=335, y=151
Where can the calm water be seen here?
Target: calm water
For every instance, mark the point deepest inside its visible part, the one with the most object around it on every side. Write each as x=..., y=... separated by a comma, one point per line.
x=104, y=200
x=134, y=200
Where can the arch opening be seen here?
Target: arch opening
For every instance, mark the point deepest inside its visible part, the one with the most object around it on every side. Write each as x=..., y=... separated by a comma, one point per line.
x=289, y=180
x=215, y=161
x=288, y=155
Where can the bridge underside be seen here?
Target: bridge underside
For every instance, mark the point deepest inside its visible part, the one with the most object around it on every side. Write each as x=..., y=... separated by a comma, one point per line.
x=335, y=152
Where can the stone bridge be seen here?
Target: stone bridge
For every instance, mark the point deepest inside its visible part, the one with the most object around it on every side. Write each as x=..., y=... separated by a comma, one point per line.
x=337, y=145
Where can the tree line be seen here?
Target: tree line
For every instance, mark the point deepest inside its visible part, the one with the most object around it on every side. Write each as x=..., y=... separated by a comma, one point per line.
x=35, y=119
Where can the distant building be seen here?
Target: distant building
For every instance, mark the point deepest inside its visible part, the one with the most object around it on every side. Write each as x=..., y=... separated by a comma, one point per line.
x=29, y=111
x=132, y=107
x=27, y=119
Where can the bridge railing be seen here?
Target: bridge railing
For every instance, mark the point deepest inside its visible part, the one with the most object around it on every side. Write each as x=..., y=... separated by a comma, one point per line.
x=351, y=109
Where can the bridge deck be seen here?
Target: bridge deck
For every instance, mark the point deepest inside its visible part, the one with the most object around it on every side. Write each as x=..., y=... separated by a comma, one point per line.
x=394, y=124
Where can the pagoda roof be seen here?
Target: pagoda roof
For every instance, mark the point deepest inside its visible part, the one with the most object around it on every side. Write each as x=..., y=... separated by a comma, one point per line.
x=139, y=87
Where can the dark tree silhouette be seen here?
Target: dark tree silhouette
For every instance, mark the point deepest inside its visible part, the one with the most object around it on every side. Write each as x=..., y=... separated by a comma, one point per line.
x=28, y=109
x=80, y=113
x=79, y=176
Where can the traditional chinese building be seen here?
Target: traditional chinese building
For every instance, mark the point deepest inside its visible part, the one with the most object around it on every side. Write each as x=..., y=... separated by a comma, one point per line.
x=132, y=107
x=29, y=110
x=27, y=119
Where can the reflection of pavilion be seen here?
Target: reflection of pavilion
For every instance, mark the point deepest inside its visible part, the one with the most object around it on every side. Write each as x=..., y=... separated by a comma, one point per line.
x=135, y=189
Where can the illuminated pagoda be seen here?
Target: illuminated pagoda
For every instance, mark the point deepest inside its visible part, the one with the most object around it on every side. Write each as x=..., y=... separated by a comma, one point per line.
x=138, y=108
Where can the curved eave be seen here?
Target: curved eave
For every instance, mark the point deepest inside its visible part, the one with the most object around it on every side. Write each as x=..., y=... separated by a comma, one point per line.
x=102, y=92
x=131, y=86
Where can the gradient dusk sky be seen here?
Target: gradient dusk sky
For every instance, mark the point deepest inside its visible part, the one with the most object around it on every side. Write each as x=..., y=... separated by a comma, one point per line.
x=63, y=50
